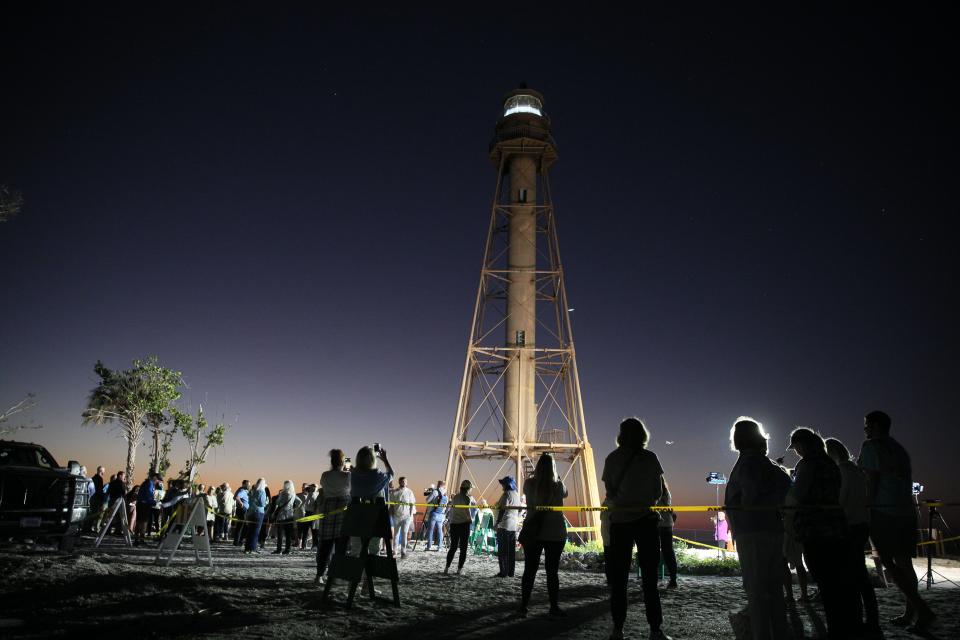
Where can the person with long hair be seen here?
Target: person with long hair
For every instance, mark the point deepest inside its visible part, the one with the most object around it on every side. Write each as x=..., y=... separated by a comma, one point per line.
x=508, y=519
x=284, y=514
x=547, y=535
x=462, y=510
x=633, y=479
x=334, y=498
x=756, y=481
x=853, y=499
x=255, y=513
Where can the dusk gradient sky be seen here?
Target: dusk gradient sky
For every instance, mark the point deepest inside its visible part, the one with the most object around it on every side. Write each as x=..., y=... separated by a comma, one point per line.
x=289, y=205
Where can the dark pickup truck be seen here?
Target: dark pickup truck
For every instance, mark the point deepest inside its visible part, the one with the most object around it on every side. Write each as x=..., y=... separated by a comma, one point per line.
x=38, y=498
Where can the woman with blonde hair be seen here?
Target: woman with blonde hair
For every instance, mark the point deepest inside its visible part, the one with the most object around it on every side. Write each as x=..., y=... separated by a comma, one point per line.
x=287, y=505
x=462, y=510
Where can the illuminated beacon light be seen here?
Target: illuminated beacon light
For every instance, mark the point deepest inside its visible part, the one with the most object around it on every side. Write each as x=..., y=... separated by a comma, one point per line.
x=522, y=104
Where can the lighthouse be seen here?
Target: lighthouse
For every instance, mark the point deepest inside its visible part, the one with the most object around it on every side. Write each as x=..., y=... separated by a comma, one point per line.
x=520, y=391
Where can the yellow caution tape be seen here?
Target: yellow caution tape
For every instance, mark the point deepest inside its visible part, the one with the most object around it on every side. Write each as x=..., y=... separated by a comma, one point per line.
x=938, y=541
x=699, y=544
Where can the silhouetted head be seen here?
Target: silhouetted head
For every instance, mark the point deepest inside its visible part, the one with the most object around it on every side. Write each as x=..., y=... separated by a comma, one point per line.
x=545, y=477
x=633, y=434
x=366, y=459
x=336, y=458
x=876, y=424
x=748, y=435
x=837, y=451
x=288, y=486
x=465, y=487
x=806, y=442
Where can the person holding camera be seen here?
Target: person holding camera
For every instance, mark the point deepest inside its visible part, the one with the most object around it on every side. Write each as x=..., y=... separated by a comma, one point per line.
x=435, y=515
x=369, y=484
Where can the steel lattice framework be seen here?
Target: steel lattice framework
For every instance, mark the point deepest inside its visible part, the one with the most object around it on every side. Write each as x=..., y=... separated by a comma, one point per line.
x=520, y=394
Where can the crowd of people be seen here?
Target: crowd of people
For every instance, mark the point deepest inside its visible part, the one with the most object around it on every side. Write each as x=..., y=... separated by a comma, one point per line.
x=820, y=516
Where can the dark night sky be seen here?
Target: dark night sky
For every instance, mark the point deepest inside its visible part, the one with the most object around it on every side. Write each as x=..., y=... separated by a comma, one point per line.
x=290, y=206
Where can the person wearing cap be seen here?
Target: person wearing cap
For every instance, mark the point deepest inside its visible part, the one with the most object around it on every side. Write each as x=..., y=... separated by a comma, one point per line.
x=507, y=521
x=754, y=491
x=821, y=528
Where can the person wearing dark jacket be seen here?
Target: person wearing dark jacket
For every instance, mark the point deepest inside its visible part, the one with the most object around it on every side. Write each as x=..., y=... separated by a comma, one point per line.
x=633, y=479
x=820, y=525
x=116, y=489
x=145, y=502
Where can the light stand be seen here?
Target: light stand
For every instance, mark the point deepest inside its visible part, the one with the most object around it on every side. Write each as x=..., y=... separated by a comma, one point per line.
x=932, y=513
x=717, y=479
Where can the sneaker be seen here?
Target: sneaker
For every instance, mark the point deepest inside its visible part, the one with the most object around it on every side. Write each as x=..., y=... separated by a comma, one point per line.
x=659, y=635
x=902, y=620
x=286, y=552
x=319, y=580
x=672, y=584
x=557, y=612
x=522, y=611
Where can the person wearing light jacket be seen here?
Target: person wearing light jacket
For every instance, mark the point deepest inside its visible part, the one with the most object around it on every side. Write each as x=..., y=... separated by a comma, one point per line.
x=285, y=510
x=403, y=514
x=226, y=507
x=508, y=520
x=255, y=513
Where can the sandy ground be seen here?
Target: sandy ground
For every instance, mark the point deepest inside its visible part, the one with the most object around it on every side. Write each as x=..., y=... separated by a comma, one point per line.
x=118, y=590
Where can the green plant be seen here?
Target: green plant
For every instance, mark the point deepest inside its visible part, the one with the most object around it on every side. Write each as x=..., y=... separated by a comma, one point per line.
x=591, y=546
x=692, y=564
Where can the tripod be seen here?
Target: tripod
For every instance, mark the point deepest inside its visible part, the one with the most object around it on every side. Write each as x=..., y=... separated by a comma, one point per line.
x=932, y=513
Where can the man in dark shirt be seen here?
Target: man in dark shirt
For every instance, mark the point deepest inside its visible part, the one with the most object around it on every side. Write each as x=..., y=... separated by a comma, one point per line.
x=116, y=489
x=893, y=518
x=96, y=500
x=821, y=526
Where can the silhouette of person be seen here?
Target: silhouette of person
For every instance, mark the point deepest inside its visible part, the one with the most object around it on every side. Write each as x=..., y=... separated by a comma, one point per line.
x=549, y=533
x=893, y=517
x=821, y=527
x=755, y=489
x=853, y=499
x=633, y=479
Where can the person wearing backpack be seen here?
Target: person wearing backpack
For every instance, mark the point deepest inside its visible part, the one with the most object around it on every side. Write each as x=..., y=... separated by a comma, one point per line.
x=633, y=479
